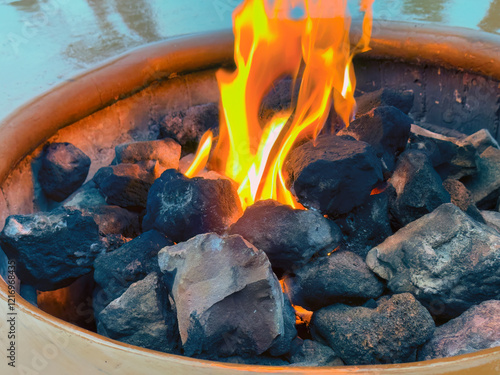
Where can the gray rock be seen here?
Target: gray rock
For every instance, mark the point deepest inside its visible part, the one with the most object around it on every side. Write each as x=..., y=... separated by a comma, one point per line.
x=389, y=333
x=114, y=220
x=492, y=219
x=228, y=300
x=283, y=344
x=342, y=277
x=142, y=316
x=485, y=185
x=476, y=329
x=446, y=259
x=85, y=197
x=289, y=237
x=51, y=249
x=166, y=151
x=402, y=100
x=461, y=197
x=313, y=354
x=481, y=140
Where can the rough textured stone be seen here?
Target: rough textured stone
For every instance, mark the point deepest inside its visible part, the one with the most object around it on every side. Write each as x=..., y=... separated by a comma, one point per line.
x=492, y=219
x=332, y=174
x=87, y=196
x=313, y=354
x=166, y=151
x=114, y=220
x=476, y=329
x=462, y=198
x=64, y=168
x=402, y=100
x=51, y=249
x=481, y=140
x=342, y=277
x=127, y=185
x=282, y=344
x=142, y=316
x=228, y=300
x=418, y=188
x=446, y=259
x=389, y=333
x=182, y=207
x=289, y=237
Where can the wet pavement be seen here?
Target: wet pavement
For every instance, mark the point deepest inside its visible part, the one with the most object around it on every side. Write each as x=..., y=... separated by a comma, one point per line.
x=44, y=42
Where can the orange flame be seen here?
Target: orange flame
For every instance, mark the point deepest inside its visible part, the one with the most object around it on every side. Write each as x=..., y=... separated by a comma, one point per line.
x=270, y=43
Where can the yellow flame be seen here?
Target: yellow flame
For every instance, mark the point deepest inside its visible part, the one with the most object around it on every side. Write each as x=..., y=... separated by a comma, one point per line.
x=202, y=154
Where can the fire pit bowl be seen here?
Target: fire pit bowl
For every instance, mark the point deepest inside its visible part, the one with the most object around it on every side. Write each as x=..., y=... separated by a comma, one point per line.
x=96, y=108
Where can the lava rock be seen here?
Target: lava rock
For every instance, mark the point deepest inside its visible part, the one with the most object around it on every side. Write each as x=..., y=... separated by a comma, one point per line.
x=313, y=354
x=386, y=129
x=476, y=329
x=115, y=220
x=492, y=219
x=114, y=241
x=64, y=168
x=142, y=316
x=446, y=259
x=182, y=207
x=333, y=175
x=278, y=98
x=127, y=185
x=88, y=196
x=481, y=140
x=418, y=188
x=228, y=300
x=51, y=249
x=389, y=333
x=115, y=271
x=289, y=237
x=461, y=197
x=166, y=151
x=283, y=343
x=402, y=100
x=342, y=277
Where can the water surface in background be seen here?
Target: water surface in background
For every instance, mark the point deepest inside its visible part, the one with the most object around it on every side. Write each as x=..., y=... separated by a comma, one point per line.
x=44, y=42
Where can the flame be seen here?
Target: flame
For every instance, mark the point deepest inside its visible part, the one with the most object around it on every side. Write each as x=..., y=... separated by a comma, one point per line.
x=271, y=43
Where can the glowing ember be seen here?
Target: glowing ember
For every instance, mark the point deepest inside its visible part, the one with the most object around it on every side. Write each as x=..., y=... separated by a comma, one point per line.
x=274, y=39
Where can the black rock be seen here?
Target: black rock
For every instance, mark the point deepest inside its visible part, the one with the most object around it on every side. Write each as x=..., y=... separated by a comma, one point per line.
x=389, y=333
x=182, y=207
x=283, y=343
x=142, y=316
x=87, y=196
x=332, y=174
x=166, y=151
x=462, y=198
x=418, y=188
x=64, y=168
x=51, y=249
x=289, y=237
x=313, y=354
x=127, y=185
x=402, y=100
x=115, y=220
x=342, y=277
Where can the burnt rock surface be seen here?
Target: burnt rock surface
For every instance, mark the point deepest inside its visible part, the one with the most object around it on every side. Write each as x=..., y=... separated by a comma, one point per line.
x=313, y=354
x=114, y=220
x=227, y=299
x=476, y=329
x=342, y=277
x=446, y=259
x=462, y=198
x=87, y=196
x=182, y=207
x=386, y=129
x=142, y=316
x=333, y=175
x=481, y=140
x=51, y=249
x=402, y=100
x=166, y=151
x=283, y=343
x=389, y=333
x=492, y=219
x=64, y=168
x=418, y=189
x=289, y=237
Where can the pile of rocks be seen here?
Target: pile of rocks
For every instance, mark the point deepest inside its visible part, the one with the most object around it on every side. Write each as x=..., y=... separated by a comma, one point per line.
x=397, y=257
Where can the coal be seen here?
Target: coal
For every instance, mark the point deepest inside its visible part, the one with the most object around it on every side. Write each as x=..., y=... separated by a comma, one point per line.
x=389, y=333
x=402, y=100
x=386, y=129
x=127, y=185
x=64, y=169
x=446, y=259
x=142, y=316
x=182, y=207
x=51, y=249
x=166, y=151
x=115, y=271
x=115, y=220
x=462, y=198
x=476, y=329
x=289, y=237
x=481, y=140
x=333, y=175
x=227, y=299
x=418, y=188
x=342, y=277
x=313, y=354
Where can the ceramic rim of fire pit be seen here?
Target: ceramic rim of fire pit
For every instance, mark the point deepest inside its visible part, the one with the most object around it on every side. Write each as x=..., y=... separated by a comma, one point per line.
x=66, y=348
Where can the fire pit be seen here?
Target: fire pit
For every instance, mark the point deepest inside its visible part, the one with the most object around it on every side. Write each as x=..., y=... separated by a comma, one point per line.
x=109, y=101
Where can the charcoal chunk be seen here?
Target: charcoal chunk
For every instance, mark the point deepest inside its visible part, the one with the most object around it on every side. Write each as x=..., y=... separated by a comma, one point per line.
x=313, y=354
x=64, y=168
x=142, y=316
x=446, y=259
x=227, y=299
x=166, y=151
x=476, y=329
x=342, y=277
x=289, y=237
x=87, y=196
x=389, y=333
x=127, y=185
x=181, y=207
x=418, y=188
x=461, y=197
x=51, y=249
x=333, y=175
x=402, y=100
x=114, y=220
